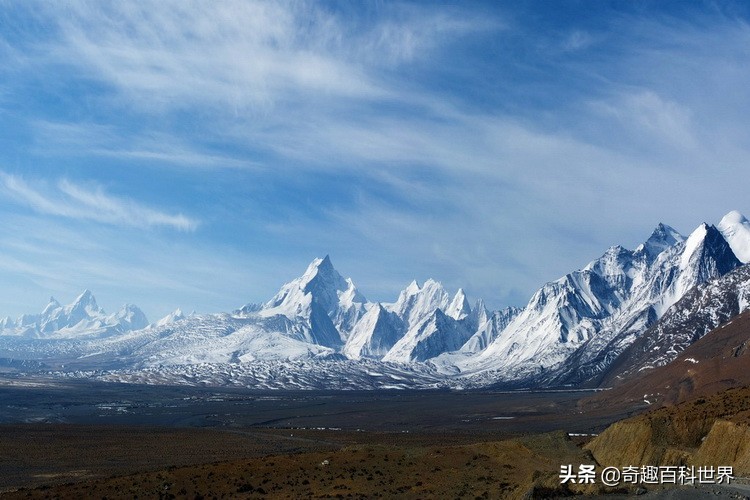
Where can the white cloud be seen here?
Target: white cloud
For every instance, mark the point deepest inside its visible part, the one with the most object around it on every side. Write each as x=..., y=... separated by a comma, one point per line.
x=156, y=148
x=244, y=55
x=646, y=114
x=229, y=54
x=154, y=270
x=69, y=200
x=577, y=40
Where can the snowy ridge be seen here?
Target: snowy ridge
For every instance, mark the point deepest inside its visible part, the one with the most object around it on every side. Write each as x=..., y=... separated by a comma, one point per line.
x=576, y=326
x=320, y=331
x=82, y=318
x=701, y=310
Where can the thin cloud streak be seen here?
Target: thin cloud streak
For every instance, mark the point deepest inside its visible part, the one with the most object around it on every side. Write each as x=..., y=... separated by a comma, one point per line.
x=72, y=201
x=83, y=139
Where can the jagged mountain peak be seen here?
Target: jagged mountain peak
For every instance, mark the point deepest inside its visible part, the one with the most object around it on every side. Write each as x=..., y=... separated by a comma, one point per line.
x=571, y=329
x=707, y=241
x=131, y=317
x=323, y=283
x=318, y=266
x=459, y=307
x=322, y=299
x=662, y=237
x=82, y=318
x=172, y=317
x=86, y=300
x=51, y=306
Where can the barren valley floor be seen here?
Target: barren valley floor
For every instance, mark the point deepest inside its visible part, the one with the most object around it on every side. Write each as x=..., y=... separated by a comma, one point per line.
x=152, y=439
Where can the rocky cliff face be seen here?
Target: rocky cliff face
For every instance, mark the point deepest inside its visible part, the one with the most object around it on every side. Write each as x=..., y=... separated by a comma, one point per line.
x=712, y=431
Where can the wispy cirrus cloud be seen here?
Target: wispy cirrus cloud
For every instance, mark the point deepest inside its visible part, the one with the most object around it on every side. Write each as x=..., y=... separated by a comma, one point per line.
x=493, y=145
x=70, y=200
x=156, y=148
x=238, y=54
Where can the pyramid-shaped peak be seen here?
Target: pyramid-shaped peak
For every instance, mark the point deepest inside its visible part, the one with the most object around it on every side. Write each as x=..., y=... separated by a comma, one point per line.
x=322, y=270
x=319, y=265
x=459, y=307
x=86, y=299
x=325, y=263
x=708, y=242
x=665, y=234
x=321, y=285
x=661, y=238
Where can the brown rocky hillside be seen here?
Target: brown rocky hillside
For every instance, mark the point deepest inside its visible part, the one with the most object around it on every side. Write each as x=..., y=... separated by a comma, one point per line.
x=704, y=431
x=718, y=361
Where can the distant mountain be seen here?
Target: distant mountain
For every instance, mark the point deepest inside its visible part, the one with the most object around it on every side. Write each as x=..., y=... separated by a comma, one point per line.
x=173, y=317
x=82, y=318
x=579, y=329
x=324, y=306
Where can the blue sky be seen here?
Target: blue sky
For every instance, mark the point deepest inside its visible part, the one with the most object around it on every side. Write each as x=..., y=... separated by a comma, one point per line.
x=200, y=154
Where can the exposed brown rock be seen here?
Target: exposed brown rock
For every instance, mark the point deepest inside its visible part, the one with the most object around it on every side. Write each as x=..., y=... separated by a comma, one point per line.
x=711, y=431
x=716, y=362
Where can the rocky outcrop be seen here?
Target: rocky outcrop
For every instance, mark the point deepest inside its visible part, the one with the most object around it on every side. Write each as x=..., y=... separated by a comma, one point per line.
x=703, y=432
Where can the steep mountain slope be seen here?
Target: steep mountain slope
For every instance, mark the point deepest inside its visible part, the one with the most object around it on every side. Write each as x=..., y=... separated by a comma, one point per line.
x=424, y=322
x=701, y=310
x=375, y=334
x=705, y=256
x=573, y=328
x=324, y=304
x=719, y=360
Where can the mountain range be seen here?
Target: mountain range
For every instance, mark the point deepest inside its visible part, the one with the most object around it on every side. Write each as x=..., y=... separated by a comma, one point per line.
x=626, y=311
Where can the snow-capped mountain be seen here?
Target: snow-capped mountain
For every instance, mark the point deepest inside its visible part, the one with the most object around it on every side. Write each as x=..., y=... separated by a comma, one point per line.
x=374, y=334
x=323, y=304
x=572, y=330
x=82, y=318
x=699, y=311
x=173, y=317
x=425, y=329
x=736, y=230
x=574, y=327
